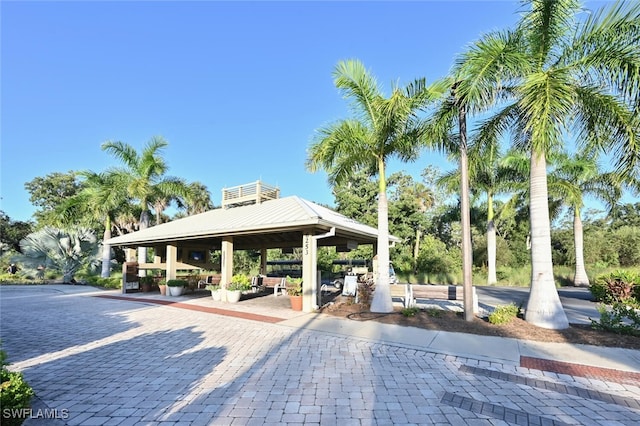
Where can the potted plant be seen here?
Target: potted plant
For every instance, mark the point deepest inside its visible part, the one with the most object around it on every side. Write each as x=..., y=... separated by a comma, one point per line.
x=215, y=291
x=146, y=283
x=294, y=290
x=176, y=287
x=162, y=285
x=238, y=284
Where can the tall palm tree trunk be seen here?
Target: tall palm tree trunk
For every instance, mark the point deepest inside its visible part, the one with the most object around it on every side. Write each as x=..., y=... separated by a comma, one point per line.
x=382, y=296
x=544, y=308
x=581, y=279
x=416, y=250
x=491, y=244
x=467, y=257
x=142, y=251
x=106, y=250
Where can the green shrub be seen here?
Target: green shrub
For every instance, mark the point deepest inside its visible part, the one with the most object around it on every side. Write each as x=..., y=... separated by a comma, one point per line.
x=240, y=282
x=15, y=394
x=177, y=283
x=617, y=286
x=622, y=318
x=110, y=282
x=434, y=312
x=410, y=312
x=503, y=314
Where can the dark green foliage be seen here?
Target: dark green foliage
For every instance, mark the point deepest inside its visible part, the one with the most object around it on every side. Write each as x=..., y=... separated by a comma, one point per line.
x=177, y=283
x=435, y=257
x=11, y=232
x=618, y=286
x=15, y=393
x=621, y=318
x=49, y=192
x=620, y=290
x=610, y=242
x=627, y=240
x=410, y=312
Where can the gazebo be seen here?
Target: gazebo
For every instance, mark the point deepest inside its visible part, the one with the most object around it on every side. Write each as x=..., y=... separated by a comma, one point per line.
x=284, y=223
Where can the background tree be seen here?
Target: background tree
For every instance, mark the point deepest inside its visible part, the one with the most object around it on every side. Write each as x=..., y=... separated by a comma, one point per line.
x=573, y=178
x=488, y=178
x=48, y=192
x=11, y=232
x=409, y=202
x=198, y=199
x=357, y=197
x=384, y=128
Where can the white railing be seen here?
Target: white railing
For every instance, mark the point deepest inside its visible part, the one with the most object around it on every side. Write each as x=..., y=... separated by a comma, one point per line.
x=251, y=193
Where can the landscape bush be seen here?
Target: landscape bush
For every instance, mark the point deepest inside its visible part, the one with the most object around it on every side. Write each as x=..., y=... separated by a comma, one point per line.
x=410, y=312
x=503, y=314
x=15, y=394
x=619, y=292
x=617, y=286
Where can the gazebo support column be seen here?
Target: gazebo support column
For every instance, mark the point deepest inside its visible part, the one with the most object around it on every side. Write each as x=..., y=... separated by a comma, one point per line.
x=263, y=261
x=310, y=282
x=172, y=261
x=309, y=266
x=226, y=261
x=130, y=255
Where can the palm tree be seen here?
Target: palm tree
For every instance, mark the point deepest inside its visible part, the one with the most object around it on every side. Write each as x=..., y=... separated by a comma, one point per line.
x=199, y=200
x=468, y=93
x=554, y=74
x=144, y=178
x=384, y=127
x=572, y=178
x=101, y=198
x=488, y=177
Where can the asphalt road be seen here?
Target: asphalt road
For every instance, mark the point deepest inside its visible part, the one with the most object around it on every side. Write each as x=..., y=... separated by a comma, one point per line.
x=577, y=301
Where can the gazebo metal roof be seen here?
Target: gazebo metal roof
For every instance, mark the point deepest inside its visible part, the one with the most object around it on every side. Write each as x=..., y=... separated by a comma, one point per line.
x=278, y=223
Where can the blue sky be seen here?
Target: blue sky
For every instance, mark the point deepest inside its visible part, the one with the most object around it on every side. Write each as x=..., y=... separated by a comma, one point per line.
x=236, y=88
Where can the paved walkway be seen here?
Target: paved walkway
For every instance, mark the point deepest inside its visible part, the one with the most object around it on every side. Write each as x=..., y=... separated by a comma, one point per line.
x=107, y=361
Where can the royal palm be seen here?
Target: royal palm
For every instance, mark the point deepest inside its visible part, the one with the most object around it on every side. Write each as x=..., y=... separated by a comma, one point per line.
x=556, y=77
x=383, y=128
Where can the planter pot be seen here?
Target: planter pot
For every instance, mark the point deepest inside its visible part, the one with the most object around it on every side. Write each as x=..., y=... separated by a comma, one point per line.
x=146, y=287
x=233, y=296
x=163, y=289
x=296, y=302
x=176, y=291
x=216, y=295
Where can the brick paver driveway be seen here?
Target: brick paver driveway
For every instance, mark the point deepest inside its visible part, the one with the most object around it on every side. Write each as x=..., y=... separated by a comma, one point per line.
x=96, y=361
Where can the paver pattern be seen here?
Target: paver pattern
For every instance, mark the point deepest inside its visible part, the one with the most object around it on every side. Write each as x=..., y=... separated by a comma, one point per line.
x=104, y=361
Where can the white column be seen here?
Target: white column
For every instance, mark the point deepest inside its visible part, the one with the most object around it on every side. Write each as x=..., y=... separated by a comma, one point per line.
x=263, y=261
x=226, y=261
x=309, y=276
x=172, y=261
x=130, y=255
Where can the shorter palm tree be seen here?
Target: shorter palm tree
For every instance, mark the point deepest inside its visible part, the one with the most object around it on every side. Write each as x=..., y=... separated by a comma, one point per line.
x=572, y=178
